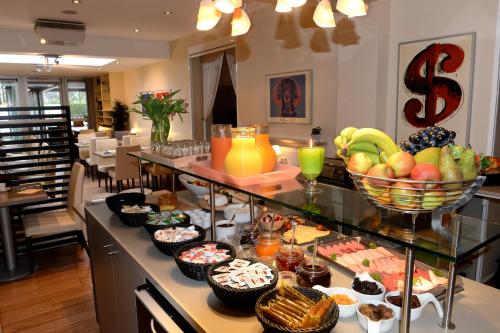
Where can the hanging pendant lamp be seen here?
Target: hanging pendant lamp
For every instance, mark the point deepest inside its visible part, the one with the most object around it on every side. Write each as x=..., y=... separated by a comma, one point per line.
x=282, y=6
x=208, y=15
x=352, y=8
x=323, y=15
x=240, y=23
x=227, y=6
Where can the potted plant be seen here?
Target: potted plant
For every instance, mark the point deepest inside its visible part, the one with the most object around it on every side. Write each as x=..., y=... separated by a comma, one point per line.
x=161, y=109
x=120, y=116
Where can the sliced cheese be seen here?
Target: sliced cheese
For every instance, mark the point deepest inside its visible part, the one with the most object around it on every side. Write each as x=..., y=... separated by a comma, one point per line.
x=304, y=234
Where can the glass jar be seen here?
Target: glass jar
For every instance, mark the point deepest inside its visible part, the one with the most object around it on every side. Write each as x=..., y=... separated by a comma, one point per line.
x=249, y=234
x=267, y=245
x=243, y=159
x=265, y=148
x=288, y=260
x=221, y=144
x=309, y=275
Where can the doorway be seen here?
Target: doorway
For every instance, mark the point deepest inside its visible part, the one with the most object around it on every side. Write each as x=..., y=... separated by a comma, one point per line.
x=213, y=90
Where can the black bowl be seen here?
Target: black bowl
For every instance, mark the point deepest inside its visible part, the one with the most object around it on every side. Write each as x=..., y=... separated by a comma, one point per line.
x=327, y=324
x=199, y=271
x=151, y=228
x=240, y=298
x=170, y=248
x=116, y=202
x=136, y=219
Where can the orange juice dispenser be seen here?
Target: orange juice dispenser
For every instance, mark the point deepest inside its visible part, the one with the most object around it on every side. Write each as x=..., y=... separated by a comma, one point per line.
x=220, y=145
x=243, y=159
x=265, y=148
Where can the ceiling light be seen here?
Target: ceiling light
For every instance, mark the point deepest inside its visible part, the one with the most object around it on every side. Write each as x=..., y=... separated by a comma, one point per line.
x=167, y=12
x=208, y=15
x=323, y=15
x=136, y=30
x=36, y=59
x=43, y=41
x=240, y=23
x=351, y=8
x=227, y=6
x=76, y=1
x=296, y=3
x=282, y=6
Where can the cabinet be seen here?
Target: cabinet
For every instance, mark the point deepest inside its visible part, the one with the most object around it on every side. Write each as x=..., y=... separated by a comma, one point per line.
x=115, y=276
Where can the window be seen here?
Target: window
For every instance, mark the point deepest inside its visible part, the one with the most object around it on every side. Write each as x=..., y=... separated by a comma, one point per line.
x=8, y=92
x=77, y=97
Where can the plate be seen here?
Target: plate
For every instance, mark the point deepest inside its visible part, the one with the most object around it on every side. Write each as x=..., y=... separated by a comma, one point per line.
x=147, y=191
x=7, y=189
x=98, y=198
x=204, y=204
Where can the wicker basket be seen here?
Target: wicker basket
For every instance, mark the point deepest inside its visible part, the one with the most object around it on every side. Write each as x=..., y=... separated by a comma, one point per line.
x=136, y=219
x=329, y=319
x=199, y=271
x=116, y=202
x=411, y=196
x=152, y=228
x=170, y=248
x=241, y=298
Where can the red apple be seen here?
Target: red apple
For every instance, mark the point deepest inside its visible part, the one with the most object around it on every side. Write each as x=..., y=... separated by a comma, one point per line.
x=403, y=195
x=425, y=172
x=380, y=171
x=433, y=199
x=359, y=163
x=401, y=162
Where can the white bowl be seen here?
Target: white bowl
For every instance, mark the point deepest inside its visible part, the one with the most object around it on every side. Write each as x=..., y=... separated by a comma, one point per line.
x=221, y=232
x=374, y=326
x=345, y=311
x=199, y=191
x=415, y=313
x=368, y=298
x=242, y=213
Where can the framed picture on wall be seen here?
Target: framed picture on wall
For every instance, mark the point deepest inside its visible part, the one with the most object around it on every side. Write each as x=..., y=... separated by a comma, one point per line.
x=289, y=97
x=435, y=85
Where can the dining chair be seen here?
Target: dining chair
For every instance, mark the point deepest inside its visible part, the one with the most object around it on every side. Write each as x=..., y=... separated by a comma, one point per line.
x=105, y=164
x=58, y=224
x=83, y=152
x=143, y=141
x=126, y=167
x=92, y=159
x=126, y=140
x=87, y=131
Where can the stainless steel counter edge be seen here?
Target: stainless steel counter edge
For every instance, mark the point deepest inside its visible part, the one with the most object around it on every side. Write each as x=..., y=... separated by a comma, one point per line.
x=475, y=309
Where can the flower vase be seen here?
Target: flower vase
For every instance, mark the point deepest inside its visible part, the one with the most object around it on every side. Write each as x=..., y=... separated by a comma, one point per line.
x=159, y=134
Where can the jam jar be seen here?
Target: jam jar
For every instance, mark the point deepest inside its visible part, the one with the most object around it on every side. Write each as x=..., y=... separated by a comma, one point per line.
x=309, y=275
x=288, y=260
x=267, y=245
x=249, y=234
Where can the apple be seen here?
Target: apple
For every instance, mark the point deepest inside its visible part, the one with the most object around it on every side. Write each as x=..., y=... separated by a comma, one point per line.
x=433, y=199
x=378, y=193
x=359, y=163
x=425, y=172
x=403, y=195
x=380, y=171
x=401, y=162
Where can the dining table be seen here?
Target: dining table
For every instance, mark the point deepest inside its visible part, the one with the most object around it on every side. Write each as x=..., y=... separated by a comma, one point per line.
x=15, y=266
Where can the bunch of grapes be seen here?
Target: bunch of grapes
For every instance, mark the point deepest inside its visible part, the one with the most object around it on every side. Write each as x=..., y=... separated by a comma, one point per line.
x=431, y=136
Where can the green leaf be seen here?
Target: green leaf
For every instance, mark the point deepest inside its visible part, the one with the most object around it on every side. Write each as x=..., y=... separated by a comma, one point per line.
x=372, y=245
x=437, y=272
x=376, y=276
x=333, y=257
x=366, y=262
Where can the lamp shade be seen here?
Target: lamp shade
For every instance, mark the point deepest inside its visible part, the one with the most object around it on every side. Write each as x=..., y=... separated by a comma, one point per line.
x=282, y=6
x=351, y=8
x=296, y=3
x=323, y=15
x=240, y=23
x=226, y=6
x=208, y=15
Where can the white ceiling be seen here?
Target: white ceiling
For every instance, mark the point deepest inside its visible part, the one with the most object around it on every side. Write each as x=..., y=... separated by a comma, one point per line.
x=115, y=18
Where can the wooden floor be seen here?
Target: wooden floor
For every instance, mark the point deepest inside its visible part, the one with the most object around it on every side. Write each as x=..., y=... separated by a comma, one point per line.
x=57, y=298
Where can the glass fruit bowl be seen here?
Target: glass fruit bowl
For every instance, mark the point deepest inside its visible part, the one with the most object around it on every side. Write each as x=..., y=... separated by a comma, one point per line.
x=413, y=196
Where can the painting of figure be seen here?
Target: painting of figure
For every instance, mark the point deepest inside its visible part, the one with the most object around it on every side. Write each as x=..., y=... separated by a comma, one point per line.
x=289, y=97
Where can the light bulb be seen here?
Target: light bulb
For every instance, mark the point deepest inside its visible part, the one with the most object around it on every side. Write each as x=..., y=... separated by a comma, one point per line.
x=296, y=3
x=323, y=15
x=282, y=6
x=240, y=23
x=352, y=8
x=208, y=15
x=225, y=6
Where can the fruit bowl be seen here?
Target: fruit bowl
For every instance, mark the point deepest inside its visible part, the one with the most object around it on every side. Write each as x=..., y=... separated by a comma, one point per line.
x=413, y=196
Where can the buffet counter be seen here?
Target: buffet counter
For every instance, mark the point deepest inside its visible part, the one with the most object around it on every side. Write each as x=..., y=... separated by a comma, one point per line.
x=475, y=309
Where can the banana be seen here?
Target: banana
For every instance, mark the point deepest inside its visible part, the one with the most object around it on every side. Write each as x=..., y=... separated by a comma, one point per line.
x=338, y=142
x=374, y=157
x=372, y=135
x=363, y=146
x=347, y=133
x=383, y=157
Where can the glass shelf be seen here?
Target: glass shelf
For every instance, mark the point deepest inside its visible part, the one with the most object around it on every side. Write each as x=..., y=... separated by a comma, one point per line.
x=454, y=238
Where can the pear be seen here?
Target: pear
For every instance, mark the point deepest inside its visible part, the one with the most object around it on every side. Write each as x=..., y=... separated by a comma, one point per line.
x=428, y=156
x=456, y=151
x=450, y=171
x=467, y=163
